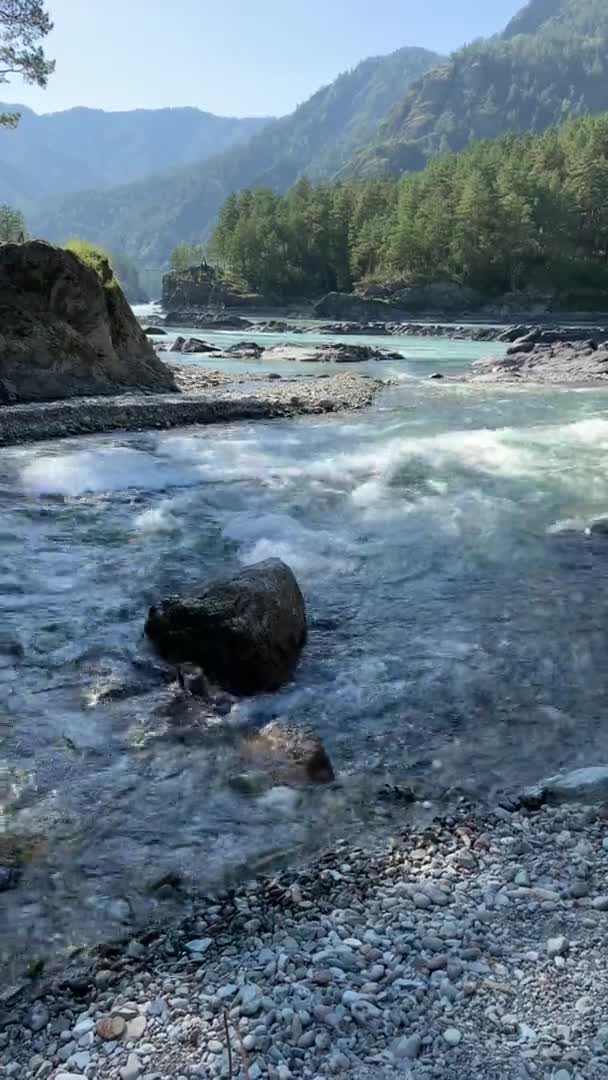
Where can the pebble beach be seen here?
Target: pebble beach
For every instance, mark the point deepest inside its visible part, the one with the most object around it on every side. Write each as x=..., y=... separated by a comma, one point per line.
x=474, y=947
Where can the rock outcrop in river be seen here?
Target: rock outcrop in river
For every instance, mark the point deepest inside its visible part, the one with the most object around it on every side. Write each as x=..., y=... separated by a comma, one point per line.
x=443, y=297
x=245, y=633
x=68, y=331
x=538, y=357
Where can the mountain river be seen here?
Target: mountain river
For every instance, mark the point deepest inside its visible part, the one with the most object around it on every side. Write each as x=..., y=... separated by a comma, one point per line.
x=458, y=628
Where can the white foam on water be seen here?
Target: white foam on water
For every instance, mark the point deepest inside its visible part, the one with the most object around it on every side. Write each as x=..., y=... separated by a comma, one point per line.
x=229, y=458
x=158, y=519
x=556, y=452
x=279, y=535
x=102, y=470
x=576, y=524
x=144, y=311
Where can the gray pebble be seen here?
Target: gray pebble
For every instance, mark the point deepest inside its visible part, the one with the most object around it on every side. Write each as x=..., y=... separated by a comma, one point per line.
x=557, y=946
x=38, y=1017
x=452, y=1036
x=407, y=1048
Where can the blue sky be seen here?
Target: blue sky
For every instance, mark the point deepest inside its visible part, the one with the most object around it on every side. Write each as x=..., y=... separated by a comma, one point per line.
x=235, y=57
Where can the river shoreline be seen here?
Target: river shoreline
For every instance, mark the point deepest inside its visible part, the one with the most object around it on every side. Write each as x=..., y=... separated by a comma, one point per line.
x=204, y=398
x=474, y=945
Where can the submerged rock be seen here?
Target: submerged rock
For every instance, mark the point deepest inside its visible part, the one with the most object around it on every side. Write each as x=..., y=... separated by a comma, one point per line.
x=9, y=877
x=598, y=528
x=246, y=633
x=67, y=329
x=291, y=754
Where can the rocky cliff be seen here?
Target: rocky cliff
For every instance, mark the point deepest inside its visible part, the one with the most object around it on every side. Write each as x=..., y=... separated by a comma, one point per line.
x=200, y=287
x=66, y=329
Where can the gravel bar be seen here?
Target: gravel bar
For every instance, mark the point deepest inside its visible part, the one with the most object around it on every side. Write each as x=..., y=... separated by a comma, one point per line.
x=475, y=948
x=211, y=400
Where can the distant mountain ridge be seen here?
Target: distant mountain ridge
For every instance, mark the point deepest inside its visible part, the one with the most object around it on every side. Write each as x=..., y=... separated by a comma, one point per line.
x=62, y=152
x=550, y=63
x=532, y=17
x=150, y=217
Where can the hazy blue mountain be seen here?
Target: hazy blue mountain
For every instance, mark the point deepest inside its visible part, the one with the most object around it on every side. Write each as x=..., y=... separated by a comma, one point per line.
x=58, y=153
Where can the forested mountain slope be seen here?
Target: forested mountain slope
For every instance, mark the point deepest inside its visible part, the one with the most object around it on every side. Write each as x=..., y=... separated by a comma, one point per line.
x=149, y=218
x=550, y=63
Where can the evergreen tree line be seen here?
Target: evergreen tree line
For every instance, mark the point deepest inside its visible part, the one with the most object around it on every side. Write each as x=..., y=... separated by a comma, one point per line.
x=516, y=212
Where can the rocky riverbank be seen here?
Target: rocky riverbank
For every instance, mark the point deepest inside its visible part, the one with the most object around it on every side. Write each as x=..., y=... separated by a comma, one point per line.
x=204, y=397
x=469, y=332
x=533, y=358
x=473, y=947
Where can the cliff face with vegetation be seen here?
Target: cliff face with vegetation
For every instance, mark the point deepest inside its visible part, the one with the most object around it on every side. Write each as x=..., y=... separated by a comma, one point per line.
x=199, y=287
x=67, y=329
x=550, y=63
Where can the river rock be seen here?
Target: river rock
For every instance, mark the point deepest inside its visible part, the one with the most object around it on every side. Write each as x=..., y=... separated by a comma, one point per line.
x=343, y=329
x=195, y=345
x=206, y=320
x=598, y=528
x=292, y=755
x=276, y=326
x=9, y=877
x=336, y=353
x=67, y=329
x=588, y=785
x=542, y=356
x=246, y=633
x=111, y=1028
x=154, y=331
x=132, y=1070
x=249, y=350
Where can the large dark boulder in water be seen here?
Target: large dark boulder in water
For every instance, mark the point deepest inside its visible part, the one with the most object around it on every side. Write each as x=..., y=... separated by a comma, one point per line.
x=246, y=632
x=66, y=329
